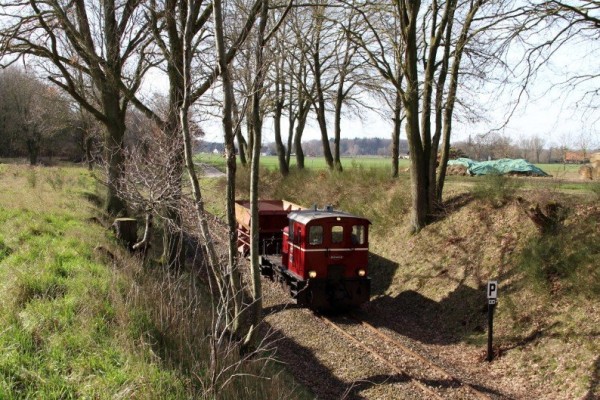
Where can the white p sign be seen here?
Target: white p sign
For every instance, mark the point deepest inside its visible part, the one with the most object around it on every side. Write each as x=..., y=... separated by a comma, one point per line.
x=492, y=290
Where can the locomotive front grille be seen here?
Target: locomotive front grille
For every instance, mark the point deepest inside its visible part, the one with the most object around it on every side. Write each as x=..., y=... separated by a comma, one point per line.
x=335, y=272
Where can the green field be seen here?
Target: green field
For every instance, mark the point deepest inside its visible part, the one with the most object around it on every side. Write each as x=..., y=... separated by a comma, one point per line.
x=317, y=163
x=556, y=170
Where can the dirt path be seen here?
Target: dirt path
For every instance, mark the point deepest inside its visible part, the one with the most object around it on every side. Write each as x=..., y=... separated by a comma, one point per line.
x=208, y=171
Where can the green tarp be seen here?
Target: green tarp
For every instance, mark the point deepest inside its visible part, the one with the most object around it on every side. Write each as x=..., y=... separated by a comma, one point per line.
x=499, y=167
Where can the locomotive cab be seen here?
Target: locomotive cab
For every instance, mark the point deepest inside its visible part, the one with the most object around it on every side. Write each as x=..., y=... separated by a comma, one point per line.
x=325, y=258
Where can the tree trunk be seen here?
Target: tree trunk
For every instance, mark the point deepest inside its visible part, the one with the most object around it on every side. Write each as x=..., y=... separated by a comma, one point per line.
x=320, y=110
x=33, y=148
x=396, y=135
x=298, y=136
x=89, y=158
x=418, y=172
x=255, y=171
x=281, y=153
x=242, y=145
x=114, y=158
x=291, y=122
x=339, y=101
x=126, y=231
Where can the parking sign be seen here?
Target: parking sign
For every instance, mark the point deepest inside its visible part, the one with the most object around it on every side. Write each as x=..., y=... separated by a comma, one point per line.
x=492, y=290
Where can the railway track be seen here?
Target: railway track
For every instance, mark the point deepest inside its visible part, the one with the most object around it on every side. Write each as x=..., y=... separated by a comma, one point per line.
x=430, y=379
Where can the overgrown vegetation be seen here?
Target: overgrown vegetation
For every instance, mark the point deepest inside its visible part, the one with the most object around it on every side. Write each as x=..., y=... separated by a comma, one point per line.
x=81, y=318
x=565, y=262
x=496, y=189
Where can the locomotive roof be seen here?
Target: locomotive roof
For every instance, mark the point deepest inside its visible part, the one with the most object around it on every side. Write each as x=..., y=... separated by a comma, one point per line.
x=306, y=216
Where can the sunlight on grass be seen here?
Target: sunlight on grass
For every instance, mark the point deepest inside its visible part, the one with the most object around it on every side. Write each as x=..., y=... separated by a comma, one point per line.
x=59, y=326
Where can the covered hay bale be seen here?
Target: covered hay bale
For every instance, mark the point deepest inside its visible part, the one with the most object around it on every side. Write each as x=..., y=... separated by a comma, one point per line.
x=460, y=170
x=586, y=172
x=596, y=170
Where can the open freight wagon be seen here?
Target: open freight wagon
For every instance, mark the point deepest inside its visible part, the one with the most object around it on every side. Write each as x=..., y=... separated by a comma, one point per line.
x=321, y=255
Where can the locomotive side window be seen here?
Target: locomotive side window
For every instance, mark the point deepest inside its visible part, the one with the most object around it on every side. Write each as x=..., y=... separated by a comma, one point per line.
x=291, y=232
x=358, y=234
x=337, y=234
x=315, y=235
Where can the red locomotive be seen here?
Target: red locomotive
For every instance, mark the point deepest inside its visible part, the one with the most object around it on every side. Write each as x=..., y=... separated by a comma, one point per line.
x=321, y=255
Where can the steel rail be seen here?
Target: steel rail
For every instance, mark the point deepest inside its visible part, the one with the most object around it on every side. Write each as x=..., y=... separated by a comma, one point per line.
x=418, y=356
x=428, y=391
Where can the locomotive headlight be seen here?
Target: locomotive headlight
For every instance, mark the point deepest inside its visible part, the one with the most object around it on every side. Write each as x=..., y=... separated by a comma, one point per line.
x=362, y=272
x=312, y=274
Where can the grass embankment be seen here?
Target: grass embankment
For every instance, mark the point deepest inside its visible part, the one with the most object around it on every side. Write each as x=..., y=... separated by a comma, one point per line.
x=81, y=318
x=548, y=316
x=65, y=330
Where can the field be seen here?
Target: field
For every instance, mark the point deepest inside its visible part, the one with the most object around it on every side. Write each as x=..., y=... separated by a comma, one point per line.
x=559, y=171
x=317, y=163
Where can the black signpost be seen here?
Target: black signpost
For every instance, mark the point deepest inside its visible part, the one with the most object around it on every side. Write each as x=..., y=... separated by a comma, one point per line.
x=492, y=296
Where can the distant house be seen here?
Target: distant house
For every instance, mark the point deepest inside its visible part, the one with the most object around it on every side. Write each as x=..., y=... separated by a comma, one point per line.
x=576, y=157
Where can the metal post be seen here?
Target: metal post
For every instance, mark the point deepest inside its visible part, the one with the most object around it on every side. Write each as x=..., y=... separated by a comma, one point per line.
x=490, y=351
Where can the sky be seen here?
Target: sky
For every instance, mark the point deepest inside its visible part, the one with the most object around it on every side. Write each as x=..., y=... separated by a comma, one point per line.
x=548, y=110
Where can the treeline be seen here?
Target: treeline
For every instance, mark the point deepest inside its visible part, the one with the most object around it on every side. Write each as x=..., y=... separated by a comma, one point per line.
x=350, y=147
x=37, y=120
x=314, y=148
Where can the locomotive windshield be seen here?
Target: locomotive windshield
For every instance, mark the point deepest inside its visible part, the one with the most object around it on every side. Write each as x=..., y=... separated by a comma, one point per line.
x=337, y=234
x=358, y=234
x=315, y=235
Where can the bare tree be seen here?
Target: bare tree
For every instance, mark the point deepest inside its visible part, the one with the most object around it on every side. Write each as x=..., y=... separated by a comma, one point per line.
x=106, y=41
x=432, y=39
x=555, y=24
x=32, y=114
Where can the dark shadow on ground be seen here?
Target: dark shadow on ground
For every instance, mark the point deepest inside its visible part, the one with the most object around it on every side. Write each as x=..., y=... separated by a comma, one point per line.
x=382, y=273
x=452, y=205
x=594, y=390
x=462, y=313
x=308, y=371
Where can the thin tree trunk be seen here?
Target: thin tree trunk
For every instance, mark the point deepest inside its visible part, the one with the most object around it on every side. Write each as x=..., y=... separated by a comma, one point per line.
x=255, y=171
x=213, y=262
x=302, y=116
x=451, y=98
x=281, y=153
x=279, y=99
x=396, y=135
x=242, y=145
x=339, y=101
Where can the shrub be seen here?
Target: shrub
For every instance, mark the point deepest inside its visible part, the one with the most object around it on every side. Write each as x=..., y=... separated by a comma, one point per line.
x=496, y=189
x=562, y=262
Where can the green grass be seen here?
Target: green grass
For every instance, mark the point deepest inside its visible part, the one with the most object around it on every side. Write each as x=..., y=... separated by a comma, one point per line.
x=60, y=334
x=81, y=318
x=314, y=163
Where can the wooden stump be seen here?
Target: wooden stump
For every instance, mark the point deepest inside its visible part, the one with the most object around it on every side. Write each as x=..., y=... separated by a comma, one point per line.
x=548, y=218
x=126, y=231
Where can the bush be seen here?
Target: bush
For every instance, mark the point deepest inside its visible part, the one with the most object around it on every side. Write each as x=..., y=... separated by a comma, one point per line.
x=562, y=262
x=496, y=189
